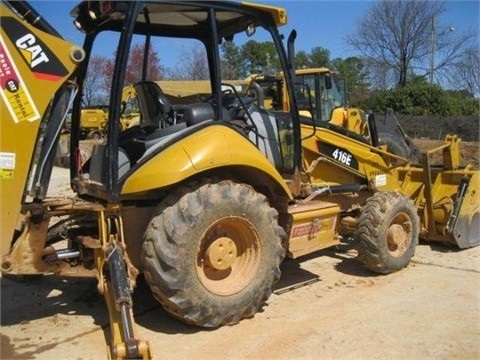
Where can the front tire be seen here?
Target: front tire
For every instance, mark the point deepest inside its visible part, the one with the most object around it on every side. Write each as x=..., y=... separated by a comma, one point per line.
x=212, y=253
x=387, y=234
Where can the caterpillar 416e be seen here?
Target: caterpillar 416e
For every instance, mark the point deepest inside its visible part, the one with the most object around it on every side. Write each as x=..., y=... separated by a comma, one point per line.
x=207, y=199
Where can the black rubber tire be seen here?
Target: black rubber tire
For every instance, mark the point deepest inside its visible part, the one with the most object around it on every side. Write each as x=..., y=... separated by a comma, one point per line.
x=94, y=135
x=387, y=234
x=186, y=226
x=395, y=144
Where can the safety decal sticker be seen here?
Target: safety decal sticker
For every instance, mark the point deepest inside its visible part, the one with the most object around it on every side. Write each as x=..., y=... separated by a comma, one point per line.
x=309, y=229
x=7, y=161
x=13, y=90
x=381, y=180
x=7, y=165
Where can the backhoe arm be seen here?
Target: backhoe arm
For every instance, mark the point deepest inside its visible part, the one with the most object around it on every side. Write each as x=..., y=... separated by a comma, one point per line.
x=34, y=65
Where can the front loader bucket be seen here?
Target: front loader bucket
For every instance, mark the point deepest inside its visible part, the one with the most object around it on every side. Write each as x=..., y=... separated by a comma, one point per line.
x=466, y=229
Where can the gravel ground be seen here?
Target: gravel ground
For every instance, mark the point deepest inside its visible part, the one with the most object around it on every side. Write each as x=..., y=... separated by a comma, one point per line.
x=430, y=310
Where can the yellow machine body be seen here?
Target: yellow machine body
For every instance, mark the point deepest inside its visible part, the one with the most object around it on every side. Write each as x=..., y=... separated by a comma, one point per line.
x=332, y=159
x=167, y=194
x=93, y=123
x=216, y=147
x=314, y=227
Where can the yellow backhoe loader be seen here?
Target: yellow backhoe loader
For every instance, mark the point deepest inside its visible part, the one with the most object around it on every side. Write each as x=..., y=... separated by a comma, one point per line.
x=319, y=92
x=322, y=95
x=207, y=200
x=93, y=123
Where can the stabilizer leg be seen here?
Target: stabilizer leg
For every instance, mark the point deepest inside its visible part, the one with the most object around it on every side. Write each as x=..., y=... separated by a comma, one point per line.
x=116, y=282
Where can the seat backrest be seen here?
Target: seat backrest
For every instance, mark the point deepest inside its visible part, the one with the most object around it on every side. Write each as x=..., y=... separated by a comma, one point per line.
x=266, y=135
x=154, y=104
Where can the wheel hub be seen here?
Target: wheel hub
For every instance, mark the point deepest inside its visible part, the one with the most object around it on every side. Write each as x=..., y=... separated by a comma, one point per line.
x=221, y=253
x=396, y=234
x=228, y=256
x=399, y=235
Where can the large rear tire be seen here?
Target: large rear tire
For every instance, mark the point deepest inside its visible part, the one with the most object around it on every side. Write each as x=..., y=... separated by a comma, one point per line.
x=387, y=234
x=212, y=254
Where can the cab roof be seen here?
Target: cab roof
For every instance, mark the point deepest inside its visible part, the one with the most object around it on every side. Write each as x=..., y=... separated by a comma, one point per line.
x=178, y=18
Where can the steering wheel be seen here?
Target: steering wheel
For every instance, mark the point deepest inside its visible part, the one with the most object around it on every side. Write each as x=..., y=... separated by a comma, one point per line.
x=228, y=98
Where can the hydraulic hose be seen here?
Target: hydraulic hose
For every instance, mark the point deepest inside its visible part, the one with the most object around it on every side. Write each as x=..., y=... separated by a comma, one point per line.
x=27, y=12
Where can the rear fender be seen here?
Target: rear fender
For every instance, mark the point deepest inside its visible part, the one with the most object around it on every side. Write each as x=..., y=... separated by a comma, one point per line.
x=210, y=148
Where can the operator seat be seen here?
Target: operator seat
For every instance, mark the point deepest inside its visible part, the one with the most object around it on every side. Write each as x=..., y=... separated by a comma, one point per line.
x=158, y=114
x=158, y=120
x=156, y=109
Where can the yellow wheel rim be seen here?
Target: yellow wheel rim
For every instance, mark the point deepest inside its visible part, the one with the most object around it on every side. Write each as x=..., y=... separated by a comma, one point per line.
x=228, y=256
x=399, y=235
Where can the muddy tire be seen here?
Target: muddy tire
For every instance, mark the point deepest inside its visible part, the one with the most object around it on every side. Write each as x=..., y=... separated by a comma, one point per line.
x=212, y=252
x=388, y=230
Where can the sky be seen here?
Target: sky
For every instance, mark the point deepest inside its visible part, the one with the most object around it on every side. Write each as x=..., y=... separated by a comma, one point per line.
x=323, y=23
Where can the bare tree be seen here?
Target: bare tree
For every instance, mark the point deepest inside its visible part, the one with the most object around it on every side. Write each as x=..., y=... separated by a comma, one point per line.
x=380, y=73
x=466, y=74
x=403, y=37
x=193, y=65
x=93, y=85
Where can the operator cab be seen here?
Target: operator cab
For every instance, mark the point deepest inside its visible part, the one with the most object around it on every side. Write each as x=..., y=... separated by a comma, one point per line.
x=331, y=92
x=181, y=64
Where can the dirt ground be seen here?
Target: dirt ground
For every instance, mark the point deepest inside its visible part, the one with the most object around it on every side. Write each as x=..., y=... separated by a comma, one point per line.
x=470, y=151
x=430, y=310
x=325, y=306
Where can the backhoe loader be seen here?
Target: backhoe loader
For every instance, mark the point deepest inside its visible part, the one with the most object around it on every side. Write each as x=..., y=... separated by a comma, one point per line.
x=207, y=200
x=93, y=122
x=321, y=94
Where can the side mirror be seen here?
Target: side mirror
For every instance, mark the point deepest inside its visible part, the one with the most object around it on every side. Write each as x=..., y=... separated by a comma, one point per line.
x=250, y=30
